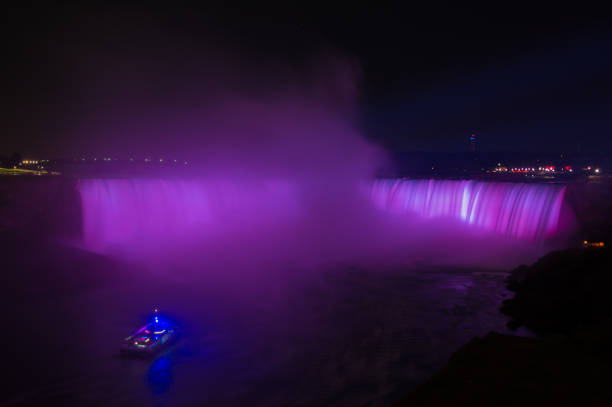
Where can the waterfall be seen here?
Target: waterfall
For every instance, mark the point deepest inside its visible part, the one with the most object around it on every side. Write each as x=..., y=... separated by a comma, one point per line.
x=155, y=213
x=514, y=209
x=124, y=212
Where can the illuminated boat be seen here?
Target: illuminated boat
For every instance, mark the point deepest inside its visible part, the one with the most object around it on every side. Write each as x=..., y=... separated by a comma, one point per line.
x=152, y=337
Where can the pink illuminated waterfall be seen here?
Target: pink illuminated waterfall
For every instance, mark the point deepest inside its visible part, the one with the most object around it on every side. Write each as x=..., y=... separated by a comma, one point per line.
x=120, y=213
x=520, y=210
x=151, y=214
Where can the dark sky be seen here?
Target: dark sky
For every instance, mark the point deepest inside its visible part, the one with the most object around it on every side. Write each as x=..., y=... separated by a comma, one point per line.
x=534, y=78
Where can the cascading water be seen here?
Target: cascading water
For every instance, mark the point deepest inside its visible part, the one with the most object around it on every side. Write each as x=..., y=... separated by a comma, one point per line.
x=530, y=211
x=150, y=214
x=119, y=213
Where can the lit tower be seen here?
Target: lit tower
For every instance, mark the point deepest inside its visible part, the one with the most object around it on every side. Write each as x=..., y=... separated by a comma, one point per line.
x=473, y=142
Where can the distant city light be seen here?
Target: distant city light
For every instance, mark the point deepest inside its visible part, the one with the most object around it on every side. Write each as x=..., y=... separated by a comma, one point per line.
x=596, y=170
x=586, y=243
x=533, y=171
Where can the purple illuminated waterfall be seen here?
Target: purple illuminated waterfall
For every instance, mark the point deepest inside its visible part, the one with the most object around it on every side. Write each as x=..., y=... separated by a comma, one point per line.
x=153, y=217
x=520, y=210
x=120, y=213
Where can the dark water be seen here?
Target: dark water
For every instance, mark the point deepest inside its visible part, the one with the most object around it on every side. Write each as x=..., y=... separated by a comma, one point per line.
x=347, y=337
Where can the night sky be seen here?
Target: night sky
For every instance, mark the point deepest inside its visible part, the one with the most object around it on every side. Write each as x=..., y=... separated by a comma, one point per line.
x=522, y=78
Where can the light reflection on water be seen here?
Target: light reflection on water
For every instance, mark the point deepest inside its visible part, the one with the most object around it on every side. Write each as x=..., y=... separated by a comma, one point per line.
x=159, y=375
x=348, y=338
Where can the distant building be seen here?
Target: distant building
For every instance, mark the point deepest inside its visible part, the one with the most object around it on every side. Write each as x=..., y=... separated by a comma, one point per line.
x=473, y=143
